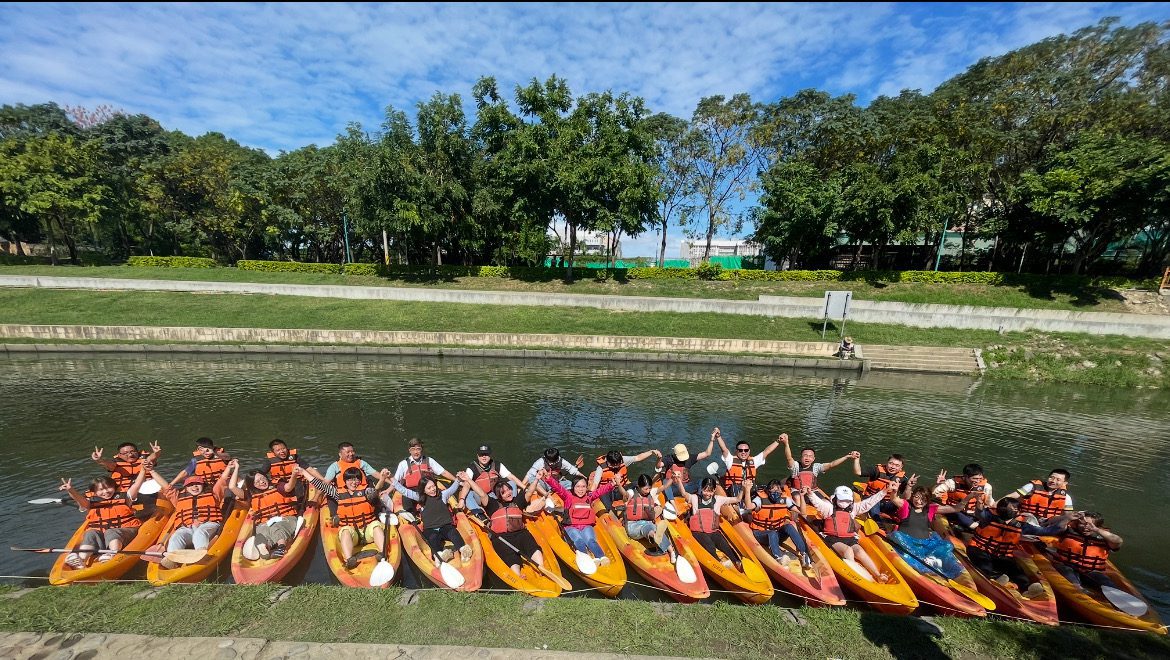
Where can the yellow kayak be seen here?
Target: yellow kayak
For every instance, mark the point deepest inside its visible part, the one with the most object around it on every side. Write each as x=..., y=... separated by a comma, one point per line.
x=530, y=580
x=220, y=549
x=118, y=564
x=751, y=585
x=259, y=571
x=1092, y=604
x=608, y=579
x=360, y=575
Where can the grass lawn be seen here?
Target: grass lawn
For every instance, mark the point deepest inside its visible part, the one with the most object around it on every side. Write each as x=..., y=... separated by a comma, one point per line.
x=1100, y=360
x=1095, y=299
x=336, y=614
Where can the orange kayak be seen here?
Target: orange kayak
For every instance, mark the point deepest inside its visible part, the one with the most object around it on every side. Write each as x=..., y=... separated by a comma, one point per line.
x=360, y=575
x=530, y=580
x=420, y=553
x=608, y=579
x=1092, y=604
x=658, y=569
x=1009, y=601
x=118, y=564
x=751, y=584
x=819, y=589
x=930, y=588
x=246, y=571
x=220, y=549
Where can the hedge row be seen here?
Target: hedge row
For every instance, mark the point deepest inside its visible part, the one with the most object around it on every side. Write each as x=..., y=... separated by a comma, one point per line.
x=289, y=267
x=170, y=262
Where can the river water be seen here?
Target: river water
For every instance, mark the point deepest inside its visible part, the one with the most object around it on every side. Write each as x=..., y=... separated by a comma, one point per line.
x=54, y=410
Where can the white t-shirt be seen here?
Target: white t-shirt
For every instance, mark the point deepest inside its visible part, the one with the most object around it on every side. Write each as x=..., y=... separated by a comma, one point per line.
x=758, y=459
x=1027, y=489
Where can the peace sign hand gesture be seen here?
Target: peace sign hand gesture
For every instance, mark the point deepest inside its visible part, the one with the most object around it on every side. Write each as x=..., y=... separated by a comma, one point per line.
x=66, y=484
x=97, y=453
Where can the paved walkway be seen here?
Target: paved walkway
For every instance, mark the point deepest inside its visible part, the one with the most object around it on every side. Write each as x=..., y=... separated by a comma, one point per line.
x=102, y=646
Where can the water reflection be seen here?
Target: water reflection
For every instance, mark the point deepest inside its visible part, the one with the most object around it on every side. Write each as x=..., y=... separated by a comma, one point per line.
x=53, y=411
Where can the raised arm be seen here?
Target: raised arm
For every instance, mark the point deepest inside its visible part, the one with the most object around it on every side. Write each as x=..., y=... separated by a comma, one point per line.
x=723, y=450
x=788, y=460
x=710, y=446
x=228, y=476
x=67, y=486
x=104, y=462
x=132, y=492
x=771, y=448
x=855, y=455
x=856, y=463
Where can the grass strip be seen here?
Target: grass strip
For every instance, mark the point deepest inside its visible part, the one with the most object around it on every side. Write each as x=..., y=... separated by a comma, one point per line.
x=321, y=613
x=1105, y=360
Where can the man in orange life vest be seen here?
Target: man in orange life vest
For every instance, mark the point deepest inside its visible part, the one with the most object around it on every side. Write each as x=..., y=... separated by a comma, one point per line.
x=742, y=466
x=956, y=492
x=1043, y=500
x=200, y=510
x=207, y=462
x=125, y=465
x=417, y=466
x=615, y=465
x=991, y=548
x=1082, y=550
x=487, y=471
x=281, y=461
x=347, y=458
x=806, y=471
x=675, y=470
x=878, y=477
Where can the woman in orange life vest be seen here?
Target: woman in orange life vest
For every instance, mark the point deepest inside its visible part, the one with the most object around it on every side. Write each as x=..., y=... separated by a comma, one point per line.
x=1043, y=500
x=208, y=462
x=614, y=464
x=991, y=547
x=353, y=509
x=644, y=517
x=772, y=522
x=579, y=512
x=743, y=465
x=125, y=465
x=806, y=471
x=840, y=530
x=1082, y=550
x=914, y=517
x=704, y=521
x=956, y=491
x=347, y=458
x=109, y=517
x=437, y=523
x=878, y=477
x=416, y=467
x=200, y=509
x=486, y=472
x=677, y=469
x=506, y=521
x=274, y=511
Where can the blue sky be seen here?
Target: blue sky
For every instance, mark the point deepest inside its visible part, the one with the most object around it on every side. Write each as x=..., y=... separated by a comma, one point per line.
x=280, y=77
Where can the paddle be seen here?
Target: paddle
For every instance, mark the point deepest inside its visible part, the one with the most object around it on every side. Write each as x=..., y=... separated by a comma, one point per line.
x=870, y=528
x=560, y=581
x=384, y=571
x=585, y=563
x=185, y=556
x=1125, y=601
x=50, y=500
x=249, y=550
x=149, y=487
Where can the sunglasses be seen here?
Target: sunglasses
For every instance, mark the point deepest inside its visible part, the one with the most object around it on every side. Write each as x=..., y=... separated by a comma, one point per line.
x=743, y=450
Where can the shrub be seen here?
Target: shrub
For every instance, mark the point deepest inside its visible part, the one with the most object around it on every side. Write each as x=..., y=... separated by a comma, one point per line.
x=22, y=260
x=288, y=267
x=367, y=270
x=170, y=262
x=709, y=271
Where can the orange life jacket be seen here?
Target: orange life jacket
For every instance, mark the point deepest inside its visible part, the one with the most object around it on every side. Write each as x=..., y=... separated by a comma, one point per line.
x=704, y=518
x=804, y=479
x=485, y=477
x=1085, y=553
x=770, y=516
x=203, y=506
x=581, y=514
x=608, y=473
x=125, y=472
x=354, y=509
x=883, y=480
x=739, y=470
x=281, y=470
x=841, y=525
x=998, y=539
x=416, y=472
x=209, y=468
x=960, y=493
x=1043, y=503
x=271, y=503
x=342, y=466
x=111, y=513
x=639, y=507
x=679, y=473
x=507, y=518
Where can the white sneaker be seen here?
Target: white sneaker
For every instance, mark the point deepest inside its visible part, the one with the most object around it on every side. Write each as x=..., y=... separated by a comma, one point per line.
x=465, y=553
x=1003, y=580
x=1035, y=590
x=105, y=558
x=74, y=561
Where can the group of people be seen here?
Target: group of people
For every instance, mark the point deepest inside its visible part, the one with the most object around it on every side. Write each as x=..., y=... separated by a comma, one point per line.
x=357, y=493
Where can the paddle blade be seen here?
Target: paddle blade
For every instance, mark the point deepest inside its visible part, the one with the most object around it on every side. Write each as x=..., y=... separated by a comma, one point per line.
x=300, y=524
x=149, y=487
x=249, y=551
x=186, y=556
x=684, y=570
x=713, y=469
x=668, y=512
x=407, y=516
x=382, y=574
x=49, y=500
x=585, y=563
x=1124, y=601
x=451, y=576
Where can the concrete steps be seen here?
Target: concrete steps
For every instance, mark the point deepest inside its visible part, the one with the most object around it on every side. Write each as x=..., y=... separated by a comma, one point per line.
x=924, y=359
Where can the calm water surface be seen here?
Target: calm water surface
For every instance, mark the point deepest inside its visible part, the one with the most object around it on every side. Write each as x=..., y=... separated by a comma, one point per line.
x=53, y=411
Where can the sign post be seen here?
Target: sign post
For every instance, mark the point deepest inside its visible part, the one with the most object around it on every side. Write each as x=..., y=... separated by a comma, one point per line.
x=836, y=306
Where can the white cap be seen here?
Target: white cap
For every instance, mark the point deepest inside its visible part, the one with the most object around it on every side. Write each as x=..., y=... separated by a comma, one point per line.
x=843, y=494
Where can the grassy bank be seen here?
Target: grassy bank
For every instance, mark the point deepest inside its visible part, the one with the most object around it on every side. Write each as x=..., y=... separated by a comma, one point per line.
x=335, y=614
x=1077, y=298
x=1096, y=360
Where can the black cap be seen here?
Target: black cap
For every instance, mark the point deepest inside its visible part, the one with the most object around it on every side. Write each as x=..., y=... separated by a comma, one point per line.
x=484, y=449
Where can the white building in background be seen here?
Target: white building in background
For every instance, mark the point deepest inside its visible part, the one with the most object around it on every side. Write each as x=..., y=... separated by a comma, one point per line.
x=595, y=243
x=693, y=250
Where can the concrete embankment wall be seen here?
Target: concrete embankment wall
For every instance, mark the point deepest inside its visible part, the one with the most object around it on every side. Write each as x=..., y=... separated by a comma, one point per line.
x=864, y=311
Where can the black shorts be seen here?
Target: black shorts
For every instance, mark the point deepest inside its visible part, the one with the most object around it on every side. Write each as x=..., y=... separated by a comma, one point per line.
x=847, y=540
x=520, y=538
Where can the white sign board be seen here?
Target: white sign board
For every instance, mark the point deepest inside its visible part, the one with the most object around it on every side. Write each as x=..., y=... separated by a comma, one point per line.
x=836, y=307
